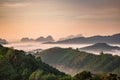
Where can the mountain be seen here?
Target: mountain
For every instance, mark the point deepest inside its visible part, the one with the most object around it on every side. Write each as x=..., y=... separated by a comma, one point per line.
x=47, y=39
x=113, y=39
x=26, y=39
x=40, y=39
x=18, y=65
x=73, y=61
x=3, y=41
x=98, y=47
x=70, y=37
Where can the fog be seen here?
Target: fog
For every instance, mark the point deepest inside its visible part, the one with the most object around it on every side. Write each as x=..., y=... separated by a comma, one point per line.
x=29, y=46
x=114, y=52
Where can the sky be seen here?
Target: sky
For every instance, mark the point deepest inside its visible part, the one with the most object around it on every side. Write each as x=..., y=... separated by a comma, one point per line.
x=59, y=18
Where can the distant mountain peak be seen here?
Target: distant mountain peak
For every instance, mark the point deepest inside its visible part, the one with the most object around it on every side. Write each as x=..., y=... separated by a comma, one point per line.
x=47, y=39
x=41, y=38
x=50, y=38
x=3, y=41
x=26, y=39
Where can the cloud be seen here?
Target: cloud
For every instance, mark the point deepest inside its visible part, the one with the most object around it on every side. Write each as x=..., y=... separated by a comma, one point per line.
x=96, y=3
x=98, y=17
x=14, y=1
x=66, y=9
x=73, y=4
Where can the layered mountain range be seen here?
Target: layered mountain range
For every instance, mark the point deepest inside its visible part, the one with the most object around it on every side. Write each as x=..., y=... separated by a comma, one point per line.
x=112, y=39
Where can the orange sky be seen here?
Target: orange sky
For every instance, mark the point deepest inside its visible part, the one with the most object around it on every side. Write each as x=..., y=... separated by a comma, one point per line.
x=12, y=33
x=58, y=18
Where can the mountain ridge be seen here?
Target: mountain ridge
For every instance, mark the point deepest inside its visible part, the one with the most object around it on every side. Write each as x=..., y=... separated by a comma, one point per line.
x=112, y=39
x=78, y=60
x=3, y=41
x=98, y=47
x=39, y=39
x=47, y=39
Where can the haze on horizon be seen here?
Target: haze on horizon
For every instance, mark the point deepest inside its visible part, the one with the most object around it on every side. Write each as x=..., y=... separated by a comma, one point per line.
x=59, y=18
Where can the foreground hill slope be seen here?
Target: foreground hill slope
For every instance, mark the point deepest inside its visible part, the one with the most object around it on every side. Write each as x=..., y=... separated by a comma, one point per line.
x=17, y=65
x=79, y=61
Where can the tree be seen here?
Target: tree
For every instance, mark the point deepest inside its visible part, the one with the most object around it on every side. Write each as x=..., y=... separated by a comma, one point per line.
x=66, y=78
x=101, y=53
x=37, y=75
x=7, y=71
x=50, y=77
x=85, y=75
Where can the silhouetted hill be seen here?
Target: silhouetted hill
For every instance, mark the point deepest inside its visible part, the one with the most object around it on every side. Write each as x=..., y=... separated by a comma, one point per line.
x=3, y=41
x=40, y=39
x=100, y=47
x=47, y=39
x=26, y=39
x=113, y=39
x=70, y=37
x=75, y=61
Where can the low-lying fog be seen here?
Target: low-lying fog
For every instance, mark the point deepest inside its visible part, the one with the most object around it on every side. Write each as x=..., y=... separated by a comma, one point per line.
x=28, y=46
